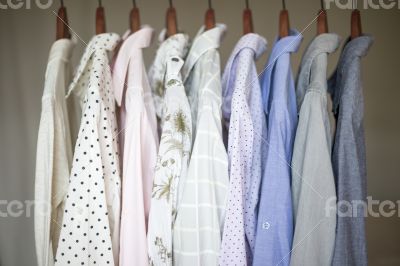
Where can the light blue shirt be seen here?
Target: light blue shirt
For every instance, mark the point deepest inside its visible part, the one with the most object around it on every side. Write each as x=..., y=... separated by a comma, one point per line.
x=275, y=217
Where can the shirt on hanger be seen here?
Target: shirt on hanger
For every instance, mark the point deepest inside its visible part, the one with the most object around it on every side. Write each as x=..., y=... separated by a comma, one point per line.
x=200, y=216
x=90, y=227
x=172, y=159
x=275, y=217
x=348, y=157
x=244, y=115
x=140, y=144
x=54, y=153
x=313, y=185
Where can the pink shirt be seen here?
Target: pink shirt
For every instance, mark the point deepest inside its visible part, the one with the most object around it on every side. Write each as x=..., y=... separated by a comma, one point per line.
x=139, y=145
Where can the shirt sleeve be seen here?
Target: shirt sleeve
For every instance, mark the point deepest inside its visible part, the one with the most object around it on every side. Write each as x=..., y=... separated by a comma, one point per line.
x=313, y=187
x=234, y=246
x=275, y=219
x=43, y=178
x=140, y=153
x=199, y=222
x=86, y=227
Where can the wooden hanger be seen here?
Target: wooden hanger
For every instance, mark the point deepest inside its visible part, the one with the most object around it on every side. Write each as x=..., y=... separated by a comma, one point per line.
x=134, y=18
x=171, y=21
x=356, y=30
x=100, y=19
x=322, y=20
x=283, y=21
x=247, y=20
x=62, y=30
x=209, y=21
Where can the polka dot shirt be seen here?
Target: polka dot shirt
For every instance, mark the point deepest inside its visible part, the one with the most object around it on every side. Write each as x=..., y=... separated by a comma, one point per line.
x=89, y=231
x=243, y=113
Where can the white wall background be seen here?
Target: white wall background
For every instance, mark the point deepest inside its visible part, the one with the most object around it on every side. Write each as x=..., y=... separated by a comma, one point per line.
x=25, y=40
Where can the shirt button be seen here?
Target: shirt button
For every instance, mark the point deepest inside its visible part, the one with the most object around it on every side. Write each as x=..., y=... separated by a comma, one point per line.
x=265, y=225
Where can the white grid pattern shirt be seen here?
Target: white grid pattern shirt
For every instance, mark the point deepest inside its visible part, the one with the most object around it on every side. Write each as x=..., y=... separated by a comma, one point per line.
x=199, y=223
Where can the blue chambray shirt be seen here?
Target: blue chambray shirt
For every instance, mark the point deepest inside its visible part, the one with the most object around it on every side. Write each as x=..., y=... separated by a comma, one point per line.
x=275, y=217
x=348, y=152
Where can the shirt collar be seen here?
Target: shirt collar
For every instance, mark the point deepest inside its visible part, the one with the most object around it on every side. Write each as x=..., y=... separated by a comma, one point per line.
x=352, y=50
x=175, y=45
x=100, y=42
x=323, y=43
x=251, y=41
x=288, y=44
x=282, y=46
x=62, y=49
x=128, y=55
x=357, y=47
x=203, y=42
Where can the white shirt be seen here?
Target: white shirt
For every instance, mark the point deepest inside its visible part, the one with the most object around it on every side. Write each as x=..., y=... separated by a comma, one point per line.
x=89, y=233
x=138, y=124
x=172, y=162
x=54, y=153
x=201, y=210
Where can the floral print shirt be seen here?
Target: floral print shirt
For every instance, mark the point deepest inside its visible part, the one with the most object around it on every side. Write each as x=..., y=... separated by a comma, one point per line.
x=175, y=45
x=171, y=165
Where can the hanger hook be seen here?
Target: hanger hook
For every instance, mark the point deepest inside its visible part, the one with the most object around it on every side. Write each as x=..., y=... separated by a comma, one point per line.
x=62, y=3
x=209, y=4
x=284, y=4
x=247, y=4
